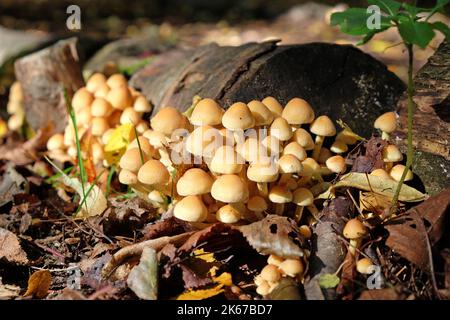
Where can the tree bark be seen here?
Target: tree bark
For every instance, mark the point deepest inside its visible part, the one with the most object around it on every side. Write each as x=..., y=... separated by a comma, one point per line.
x=44, y=75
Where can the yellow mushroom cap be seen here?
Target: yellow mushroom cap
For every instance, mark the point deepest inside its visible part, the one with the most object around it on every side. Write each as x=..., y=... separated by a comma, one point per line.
x=347, y=137
x=381, y=173
x=191, y=209
x=207, y=112
x=55, y=142
x=127, y=177
x=271, y=273
x=141, y=126
x=238, y=117
x=252, y=150
x=167, y=120
x=156, y=138
x=226, y=161
x=262, y=115
x=397, y=171
x=101, y=108
x=297, y=112
x=305, y=231
x=275, y=260
x=303, y=138
x=107, y=135
x=273, y=146
x=302, y=197
x=120, y=98
x=102, y=91
x=338, y=147
x=153, y=172
x=364, y=266
x=116, y=81
x=230, y=213
x=281, y=129
x=354, y=229
x=194, y=181
x=129, y=115
x=291, y=267
x=141, y=104
x=99, y=126
x=263, y=289
x=97, y=152
x=81, y=99
x=84, y=116
x=310, y=166
x=15, y=92
x=95, y=81
x=280, y=194
x=392, y=154
x=229, y=188
x=336, y=164
x=145, y=146
x=262, y=172
x=289, y=163
x=274, y=106
x=131, y=160
x=204, y=141
x=323, y=126
x=387, y=122
x=295, y=149
x=257, y=204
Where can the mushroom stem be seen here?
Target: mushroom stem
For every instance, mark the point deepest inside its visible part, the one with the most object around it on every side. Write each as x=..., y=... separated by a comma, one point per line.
x=314, y=211
x=285, y=178
x=354, y=244
x=389, y=166
x=298, y=213
x=385, y=136
x=303, y=181
x=262, y=188
x=317, y=147
x=279, y=209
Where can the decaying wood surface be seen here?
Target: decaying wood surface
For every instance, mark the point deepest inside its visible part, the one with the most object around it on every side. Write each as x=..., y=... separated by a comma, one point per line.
x=43, y=76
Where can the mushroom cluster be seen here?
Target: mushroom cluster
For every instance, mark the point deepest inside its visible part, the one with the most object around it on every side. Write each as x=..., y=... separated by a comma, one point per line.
x=276, y=268
x=15, y=107
x=99, y=107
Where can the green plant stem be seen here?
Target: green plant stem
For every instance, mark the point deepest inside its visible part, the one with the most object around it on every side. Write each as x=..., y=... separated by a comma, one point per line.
x=410, y=107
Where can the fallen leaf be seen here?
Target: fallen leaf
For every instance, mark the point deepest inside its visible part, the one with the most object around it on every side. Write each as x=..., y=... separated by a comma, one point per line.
x=375, y=184
x=166, y=227
x=38, y=284
x=10, y=248
x=8, y=291
x=329, y=280
x=143, y=278
x=199, y=294
x=70, y=294
x=274, y=235
x=117, y=144
x=12, y=183
x=205, y=256
x=380, y=294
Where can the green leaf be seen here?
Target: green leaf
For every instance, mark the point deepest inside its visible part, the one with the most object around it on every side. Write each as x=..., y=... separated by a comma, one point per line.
x=370, y=35
x=413, y=10
x=352, y=21
x=328, y=281
x=442, y=27
x=391, y=7
x=415, y=32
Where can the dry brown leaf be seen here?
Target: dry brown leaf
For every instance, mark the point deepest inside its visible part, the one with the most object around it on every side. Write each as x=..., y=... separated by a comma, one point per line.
x=143, y=278
x=380, y=294
x=38, y=284
x=10, y=248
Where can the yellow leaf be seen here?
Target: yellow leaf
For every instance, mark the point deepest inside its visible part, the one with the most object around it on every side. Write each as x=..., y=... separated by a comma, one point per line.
x=38, y=284
x=373, y=202
x=201, y=294
x=3, y=128
x=206, y=256
x=224, y=279
x=117, y=144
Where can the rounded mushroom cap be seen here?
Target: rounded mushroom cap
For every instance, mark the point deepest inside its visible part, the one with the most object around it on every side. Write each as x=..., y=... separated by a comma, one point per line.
x=289, y=163
x=145, y=146
x=226, y=161
x=305, y=231
x=273, y=146
x=131, y=160
x=295, y=149
x=354, y=229
x=120, y=98
x=303, y=138
x=101, y=108
x=191, y=209
x=262, y=172
x=273, y=105
x=392, y=154
x=230, y=213
x=324, y=155
x=141, y=104
x=252, y=150
x=99, y=126
x=15, y=121
x=167, y=120
x=153, y=172
x=15, y=92
x=229, y=188
x=257, y=204
x=280, y=194
x=156, y=139
x=116, y=81
x=302, y=197
x=194, y=181
x=346, y=137
x=275, y=260
x=107, y=135
x=102, y=91
x=270, y=273
x=82, y=99
x=129, y=115
x=97, y=152
x=238, y=117
x=364, y=266
x=156, y=196
x=95, y=81
x=397, y=171
x=336, y=164
x=263, y=288
x=381, y=173
x=204, y=141
x=262, y=115
x=55, y=142
x=291, y=267
x=338, y=147
x=207, y=112
x=323, y=126
x=141, y=126
x=281, y=129
x=127, y=177
x=387, y=122
x=297, y=112
x=310, y=166
x=83, y=116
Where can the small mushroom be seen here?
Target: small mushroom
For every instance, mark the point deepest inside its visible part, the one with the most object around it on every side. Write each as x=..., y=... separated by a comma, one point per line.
x=336, y=164
x=280, y=195
x=303, y=138
x=153, y=172
x=364, y=266
x=142, y=105
x=131, y=160
x=274, y=106
x=262, y=173
x=207, y=112
x=116, y=81
x=275, y=260
x=99, y=125
x=281, y=129
x=129, y=115
x=354, y=230
x=289, y=164
x=167, y=120
x=127, y=177
x=101, y=108
x=391, y=154
x=226, y=161
x=191, y=209
x=194, y=182
x=55, y=142
x=295, y=149
x=81, y=99
x=238, y=117
x=270, y=273
x=229, y=188
x=322, y=127
x=397, y=172
x=292, y=267
x=230, y=213
x=381, y=173
x=302, y=197
x=95, y=81
x=297, y=112
x=338, y=147
x=258, y=205
x=120, y=98
x=262, y=115
x=387, y=123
